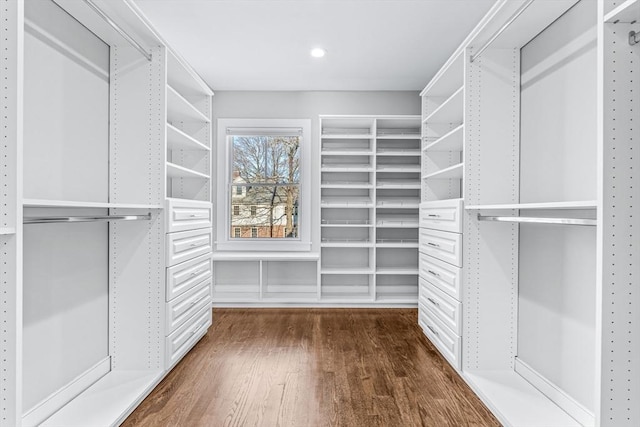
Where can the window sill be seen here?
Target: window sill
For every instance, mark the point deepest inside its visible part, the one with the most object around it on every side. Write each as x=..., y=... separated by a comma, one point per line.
x=267, y=256
x=262, y=247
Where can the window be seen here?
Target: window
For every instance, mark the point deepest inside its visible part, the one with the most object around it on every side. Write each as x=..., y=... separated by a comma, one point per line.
x=236, y=232
x=264, y=167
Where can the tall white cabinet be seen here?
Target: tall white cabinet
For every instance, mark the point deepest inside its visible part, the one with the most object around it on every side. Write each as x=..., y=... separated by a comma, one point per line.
x=94, y=130
x=540, y=316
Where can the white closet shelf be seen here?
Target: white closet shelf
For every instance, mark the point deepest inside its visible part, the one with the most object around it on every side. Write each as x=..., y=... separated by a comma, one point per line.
x=406, y=271
x=452, y=141
x=347, y=244
x=181, y=110
x=347, y=224
x=347, y=202
x=627, y=12
x=178, y=140
x=580, y=204
x=346, y=168
x=346, y=270
x=391, y=243
x=396, y=222
x=452, y=172
x=400, y=136
x=176, y=171
x=398, y=152
x=5, y=231
x=448, y=79
x=41, y=203
x=347, y=185
x=398, y=202
x=107, y=402
x=399, y=184
x=346, y=152
x=183, y=79
x=398, y=299
x=266, y=256
x=450, y=111
x=347, y=136
x=398, y=168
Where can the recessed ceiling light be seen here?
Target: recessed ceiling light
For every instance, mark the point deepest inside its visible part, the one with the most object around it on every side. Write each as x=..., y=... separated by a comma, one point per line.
x=318, y=52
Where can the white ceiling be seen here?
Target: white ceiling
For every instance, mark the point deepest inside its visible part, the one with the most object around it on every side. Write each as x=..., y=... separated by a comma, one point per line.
x=265, y=44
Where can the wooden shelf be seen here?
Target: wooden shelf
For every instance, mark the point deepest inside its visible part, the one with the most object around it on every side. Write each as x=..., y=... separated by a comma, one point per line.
x=451, y=110
x=452, y=141
x=452, y=172
x=627, y=12
x=176, y=171
x=181, y=110
x=581, y=204
x=39, y=203
x=178, y=140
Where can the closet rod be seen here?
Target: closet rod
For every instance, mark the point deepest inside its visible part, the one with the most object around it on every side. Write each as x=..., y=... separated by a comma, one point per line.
x=118, y=29
x=538, y=220
x=56, y=219
x=501, y=30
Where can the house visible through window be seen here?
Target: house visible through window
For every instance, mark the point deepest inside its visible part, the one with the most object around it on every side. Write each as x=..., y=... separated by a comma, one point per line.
x=265, y=179
x=236, y=232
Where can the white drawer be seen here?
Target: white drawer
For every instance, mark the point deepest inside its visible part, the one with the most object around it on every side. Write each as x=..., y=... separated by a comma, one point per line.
x=445, y=215
x=444, y=276
x=441, y=305
x=180, y=309
x=182, y=339
x=183, y=215
x=442, y=245
x=449, y=344
x=186, y=275
x=184, y=245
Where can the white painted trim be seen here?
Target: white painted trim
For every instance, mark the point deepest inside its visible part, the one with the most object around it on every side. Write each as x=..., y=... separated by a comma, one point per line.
x=558, y=396
x=61, y=397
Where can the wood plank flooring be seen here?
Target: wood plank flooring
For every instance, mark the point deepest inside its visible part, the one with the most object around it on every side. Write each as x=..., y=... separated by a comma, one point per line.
x=313, y=367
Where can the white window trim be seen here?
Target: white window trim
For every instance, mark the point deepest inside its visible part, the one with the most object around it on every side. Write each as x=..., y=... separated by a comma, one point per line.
x=223, y=199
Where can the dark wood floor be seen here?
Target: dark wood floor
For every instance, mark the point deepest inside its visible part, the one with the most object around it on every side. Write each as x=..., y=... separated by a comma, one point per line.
x=313, y=367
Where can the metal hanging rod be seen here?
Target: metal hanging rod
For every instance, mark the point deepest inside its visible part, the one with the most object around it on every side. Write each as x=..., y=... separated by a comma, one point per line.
x=501, y=30
x=538, y=220
x=67, y=219
x=118, y=29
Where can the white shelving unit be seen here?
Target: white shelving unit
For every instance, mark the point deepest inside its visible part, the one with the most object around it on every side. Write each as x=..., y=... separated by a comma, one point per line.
x=548, y=314
x=371, y=222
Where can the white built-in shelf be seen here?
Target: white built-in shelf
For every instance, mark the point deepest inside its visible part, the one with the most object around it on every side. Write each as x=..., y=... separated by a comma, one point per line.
x=398, y=299
x=400, y=136
x=400, y=184
x=347, y=202
x=178, y=140
x=397, y=221
x=4, y=231
x=448, y=79
x=397, y=271
x=347, y=185
x=452, y=141
x=181, y=110
x=397, y=243
x=107, y=402
x=346, y=270
x=398, y=202
x=39, y=203
x=452, y=172
x=346, y=243
x=183, y=79
x=347, y=223
x=450, y=111
x=398, y=152
x=580, y=204
x=346, y=152
x=398, y=168
x=627, y=12
x=347, y=168
x=347, y=136
x=265, y=256
x=177, y=171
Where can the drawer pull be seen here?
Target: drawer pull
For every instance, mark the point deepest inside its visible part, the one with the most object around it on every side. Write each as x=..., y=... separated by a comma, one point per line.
x=433, y=331
x=195, y=273
x=198, y=300
x=193, y=216
x=434, y=302
x=195, y=331
x=433, y=215
x=193, y=245
x=435, y=245
x=433, y=273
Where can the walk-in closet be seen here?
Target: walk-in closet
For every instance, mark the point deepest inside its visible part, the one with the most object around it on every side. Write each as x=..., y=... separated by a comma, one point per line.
x=389, y=213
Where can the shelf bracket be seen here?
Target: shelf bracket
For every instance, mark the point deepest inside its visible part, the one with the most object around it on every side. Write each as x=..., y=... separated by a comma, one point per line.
x=633, y=38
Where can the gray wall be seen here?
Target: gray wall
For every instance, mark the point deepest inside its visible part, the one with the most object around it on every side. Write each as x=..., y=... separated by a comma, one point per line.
x=309, y=105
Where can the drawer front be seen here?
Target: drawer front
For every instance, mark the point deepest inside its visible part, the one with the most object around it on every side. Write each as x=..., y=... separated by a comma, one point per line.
x=186, y=275
x=445, y=215
x=449, y=344
x=442, y=245
x=182, y=308
x=186, y=215
x=185, y=245
x=182, y=339
x=444, y=276
x=442, y=306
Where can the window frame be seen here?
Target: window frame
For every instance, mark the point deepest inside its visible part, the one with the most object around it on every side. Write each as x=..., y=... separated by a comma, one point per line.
x=223, y=187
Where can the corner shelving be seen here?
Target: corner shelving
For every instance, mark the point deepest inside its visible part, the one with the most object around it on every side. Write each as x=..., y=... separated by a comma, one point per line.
x=179, y=140
x=451, y=172
x=181, y=110
x=177, y=171
x=451, y=141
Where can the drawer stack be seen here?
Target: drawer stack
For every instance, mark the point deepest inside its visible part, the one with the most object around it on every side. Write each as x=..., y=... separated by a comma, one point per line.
x=439, y=306
x=189, y=276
